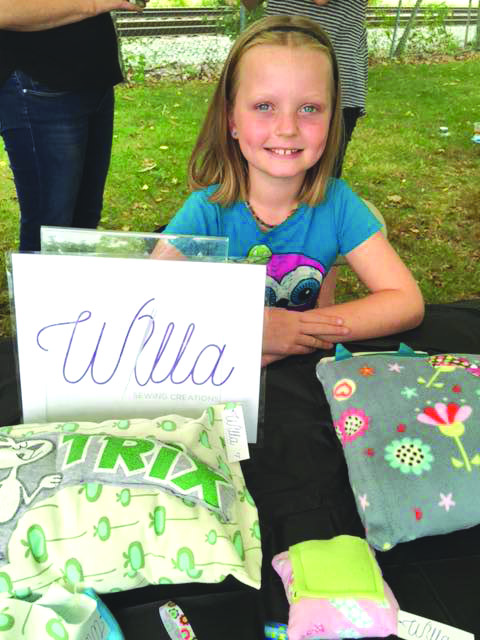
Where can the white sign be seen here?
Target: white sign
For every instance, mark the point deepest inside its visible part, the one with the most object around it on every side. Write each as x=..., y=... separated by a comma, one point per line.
x=103, y=338
x=413, y=627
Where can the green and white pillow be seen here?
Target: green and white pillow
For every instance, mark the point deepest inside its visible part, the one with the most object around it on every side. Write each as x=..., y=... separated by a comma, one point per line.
x=102, y=522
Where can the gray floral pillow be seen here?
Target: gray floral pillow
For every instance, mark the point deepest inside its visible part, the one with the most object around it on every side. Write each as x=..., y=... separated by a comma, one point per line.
x=409, y=425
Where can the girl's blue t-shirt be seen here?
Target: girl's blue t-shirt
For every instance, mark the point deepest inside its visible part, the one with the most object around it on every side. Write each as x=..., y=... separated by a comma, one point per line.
x=298, y=253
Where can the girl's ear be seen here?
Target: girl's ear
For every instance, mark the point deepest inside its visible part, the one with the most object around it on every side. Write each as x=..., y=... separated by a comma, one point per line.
x=231, y=126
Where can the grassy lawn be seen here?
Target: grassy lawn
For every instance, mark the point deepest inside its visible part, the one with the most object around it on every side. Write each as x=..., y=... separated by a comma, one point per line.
x=426, y=186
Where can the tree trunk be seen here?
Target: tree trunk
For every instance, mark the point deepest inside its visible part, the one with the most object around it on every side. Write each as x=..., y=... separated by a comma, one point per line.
x=395, y=29
x=402, y=43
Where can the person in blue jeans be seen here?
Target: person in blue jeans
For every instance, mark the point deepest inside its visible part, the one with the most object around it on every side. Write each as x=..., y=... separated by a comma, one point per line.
x=58, y=66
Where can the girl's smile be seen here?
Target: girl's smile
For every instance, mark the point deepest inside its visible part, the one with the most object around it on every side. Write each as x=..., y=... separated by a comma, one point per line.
x=285, y=152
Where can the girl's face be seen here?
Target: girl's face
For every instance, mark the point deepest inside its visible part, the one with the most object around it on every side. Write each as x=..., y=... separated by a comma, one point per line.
x=282, y=110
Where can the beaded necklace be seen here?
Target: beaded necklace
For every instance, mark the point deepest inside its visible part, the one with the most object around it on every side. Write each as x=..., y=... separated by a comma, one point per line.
x=265, y=226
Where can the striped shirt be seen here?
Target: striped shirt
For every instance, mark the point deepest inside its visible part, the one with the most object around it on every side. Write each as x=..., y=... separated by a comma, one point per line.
x=345, y=23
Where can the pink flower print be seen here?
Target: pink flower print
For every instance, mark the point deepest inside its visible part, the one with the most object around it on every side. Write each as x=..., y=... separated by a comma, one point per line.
x=448, y=360
x=474, y=369
x=449, y=419
x=352, y=424
x=445, y=363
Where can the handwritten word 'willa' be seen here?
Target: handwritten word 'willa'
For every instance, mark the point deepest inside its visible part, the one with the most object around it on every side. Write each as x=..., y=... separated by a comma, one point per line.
x=177, y=359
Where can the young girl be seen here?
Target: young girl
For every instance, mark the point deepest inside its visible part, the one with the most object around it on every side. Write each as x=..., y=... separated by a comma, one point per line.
x=261, y=175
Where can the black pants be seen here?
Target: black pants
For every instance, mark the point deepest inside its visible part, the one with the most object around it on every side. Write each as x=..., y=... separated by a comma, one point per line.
x=350, y=117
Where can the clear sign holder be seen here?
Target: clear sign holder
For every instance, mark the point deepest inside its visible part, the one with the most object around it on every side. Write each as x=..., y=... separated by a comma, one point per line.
x=123, y=244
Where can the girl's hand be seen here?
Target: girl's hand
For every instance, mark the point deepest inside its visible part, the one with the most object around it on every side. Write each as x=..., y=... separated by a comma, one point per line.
x=295, y=332
x=164, y=250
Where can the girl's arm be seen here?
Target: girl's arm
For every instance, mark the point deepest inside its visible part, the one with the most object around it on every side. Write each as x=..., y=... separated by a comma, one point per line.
x=32, y=15
x=395, y=302
x=326, y=297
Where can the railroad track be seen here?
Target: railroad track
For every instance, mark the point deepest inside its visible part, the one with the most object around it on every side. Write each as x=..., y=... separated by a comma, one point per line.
x=170, y=22
x=175, y=22
x=376, y=16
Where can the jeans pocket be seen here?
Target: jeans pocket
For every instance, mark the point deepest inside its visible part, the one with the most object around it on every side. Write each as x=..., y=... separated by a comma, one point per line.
x=42, y=90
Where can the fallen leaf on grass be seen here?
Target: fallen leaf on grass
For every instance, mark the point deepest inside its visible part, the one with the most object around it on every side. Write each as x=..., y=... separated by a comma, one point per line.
x=148, y=167
x=394, y=198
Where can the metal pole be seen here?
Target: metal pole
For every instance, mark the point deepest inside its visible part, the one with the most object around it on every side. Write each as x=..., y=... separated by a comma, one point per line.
x=395, y=28
x=467, y=27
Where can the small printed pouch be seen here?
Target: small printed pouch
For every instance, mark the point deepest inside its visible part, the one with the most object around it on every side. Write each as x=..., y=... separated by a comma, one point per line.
x=335, y=590
x=331, y=568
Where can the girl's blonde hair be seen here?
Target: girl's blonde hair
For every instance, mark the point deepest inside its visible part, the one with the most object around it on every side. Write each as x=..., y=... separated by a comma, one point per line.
x=216, y=156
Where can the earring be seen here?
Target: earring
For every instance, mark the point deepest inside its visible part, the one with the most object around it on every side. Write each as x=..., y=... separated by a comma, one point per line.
x=234, y=133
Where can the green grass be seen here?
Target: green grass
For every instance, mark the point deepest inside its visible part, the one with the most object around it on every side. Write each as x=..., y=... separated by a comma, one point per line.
x=426, y=186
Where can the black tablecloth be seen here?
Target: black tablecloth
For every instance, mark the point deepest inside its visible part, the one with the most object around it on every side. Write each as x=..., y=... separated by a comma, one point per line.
x=302, y=492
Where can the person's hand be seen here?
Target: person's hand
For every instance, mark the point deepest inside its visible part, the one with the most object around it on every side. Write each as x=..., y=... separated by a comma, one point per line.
x=321, y=3
x=50, y=14
x=299, y=332
x=101, y=6
x=140, y=4
x=165, y=250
